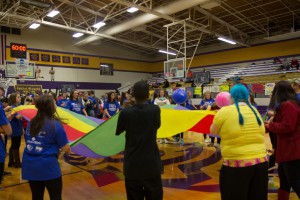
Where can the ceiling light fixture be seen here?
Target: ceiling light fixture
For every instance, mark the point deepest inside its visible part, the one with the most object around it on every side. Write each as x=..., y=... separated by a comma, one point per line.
x=53, y=13
x=166, y=52
x=77, y=35
x=34, y=26
x=226, y=40
x=99, y=24
x=132, y=10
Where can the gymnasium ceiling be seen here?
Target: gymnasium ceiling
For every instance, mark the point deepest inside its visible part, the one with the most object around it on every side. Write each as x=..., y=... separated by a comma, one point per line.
x=240, y=20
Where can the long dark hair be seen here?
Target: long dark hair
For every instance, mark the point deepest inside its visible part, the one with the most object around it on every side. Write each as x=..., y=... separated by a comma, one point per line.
x=252, y=101
x=46, y=110
x=72, y=94
x=12, y=99
x=109, y=97
x=282, y=92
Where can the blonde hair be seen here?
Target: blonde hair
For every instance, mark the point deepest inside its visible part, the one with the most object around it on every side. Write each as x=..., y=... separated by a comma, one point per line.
x=206, y=92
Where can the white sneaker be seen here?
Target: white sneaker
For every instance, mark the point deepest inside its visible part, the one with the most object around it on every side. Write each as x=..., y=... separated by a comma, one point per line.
x=166, y=141
x=206, y=140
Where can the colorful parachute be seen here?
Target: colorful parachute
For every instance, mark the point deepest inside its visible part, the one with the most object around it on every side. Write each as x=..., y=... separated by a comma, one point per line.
x=94, y=140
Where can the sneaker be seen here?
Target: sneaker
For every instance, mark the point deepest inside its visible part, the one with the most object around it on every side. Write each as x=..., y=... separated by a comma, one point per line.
x=206, y=140
x=217, y=146
x=182, y=142
x=166, y=141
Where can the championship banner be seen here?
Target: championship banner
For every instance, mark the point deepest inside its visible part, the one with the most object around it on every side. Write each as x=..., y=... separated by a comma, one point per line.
x=224, y=88
x=258, y=88
x=25, y=89
x=269, y=88
x=198, y=91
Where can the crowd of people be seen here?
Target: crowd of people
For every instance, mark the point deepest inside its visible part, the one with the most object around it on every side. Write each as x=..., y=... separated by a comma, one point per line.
x=244, y=172
x=286, y=64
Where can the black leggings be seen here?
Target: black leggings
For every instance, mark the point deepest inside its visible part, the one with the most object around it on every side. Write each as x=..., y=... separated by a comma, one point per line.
x=244, y=183
x=212, y=139
x=53, y=186
x=1, y=171
x=289, y=176
x=15, y=142
x=179, y=135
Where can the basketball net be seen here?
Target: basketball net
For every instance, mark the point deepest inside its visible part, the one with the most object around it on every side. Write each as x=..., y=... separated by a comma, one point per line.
x=22, y=77
x=198, y=84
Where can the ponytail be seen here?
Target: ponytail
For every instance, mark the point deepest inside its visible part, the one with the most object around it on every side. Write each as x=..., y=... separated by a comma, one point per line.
x=257, y=118
x=241, y=119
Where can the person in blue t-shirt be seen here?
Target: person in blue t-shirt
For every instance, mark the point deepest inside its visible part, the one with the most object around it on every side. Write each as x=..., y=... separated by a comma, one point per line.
x=296, y=86
x=111, y=106
x=63, y=102
x=95, y=100
x=17, y=132
x=75, y=104
x=5, y=128
x=207, y=101
x=206, y=104
x=44, y=138
x=189, y=104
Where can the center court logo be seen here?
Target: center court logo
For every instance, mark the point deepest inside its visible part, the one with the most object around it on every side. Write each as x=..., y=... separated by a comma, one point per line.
x=186, y=161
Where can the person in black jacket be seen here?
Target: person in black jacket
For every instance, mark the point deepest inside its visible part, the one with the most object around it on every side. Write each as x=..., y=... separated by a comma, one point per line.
x=142, y=164
x=166, y=84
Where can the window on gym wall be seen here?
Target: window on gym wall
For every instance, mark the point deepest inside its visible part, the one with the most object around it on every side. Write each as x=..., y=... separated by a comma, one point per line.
x=106, y=69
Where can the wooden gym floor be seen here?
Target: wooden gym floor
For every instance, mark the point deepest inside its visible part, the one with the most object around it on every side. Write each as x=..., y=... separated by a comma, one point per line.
x=190, y=172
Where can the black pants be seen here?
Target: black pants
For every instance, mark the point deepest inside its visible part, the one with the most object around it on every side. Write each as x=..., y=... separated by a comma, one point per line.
x=53, y=186
x=1, y=171
x=179, y=135
x=15, y=142
x=289, y=176
x=244, y=183
x=212, y=139
x=149, y=189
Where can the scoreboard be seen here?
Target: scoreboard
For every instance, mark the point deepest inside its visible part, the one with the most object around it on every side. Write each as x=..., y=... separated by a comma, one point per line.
x=18, y=50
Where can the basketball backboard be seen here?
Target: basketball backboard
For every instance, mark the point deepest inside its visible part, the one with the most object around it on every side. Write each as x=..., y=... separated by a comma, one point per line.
x=202, y=77
x=13, y=69
x=174, y=68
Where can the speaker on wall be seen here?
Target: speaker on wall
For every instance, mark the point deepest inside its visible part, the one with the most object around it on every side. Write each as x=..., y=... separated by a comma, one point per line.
x=16, y=31
x=5, y=29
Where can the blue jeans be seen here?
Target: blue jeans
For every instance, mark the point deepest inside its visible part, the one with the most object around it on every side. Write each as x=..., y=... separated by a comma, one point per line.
x=289, y=175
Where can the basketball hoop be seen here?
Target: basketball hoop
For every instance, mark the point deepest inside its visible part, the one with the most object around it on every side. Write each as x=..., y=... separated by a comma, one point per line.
x=21, y=77
x=169, y=79
x=198, y=84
